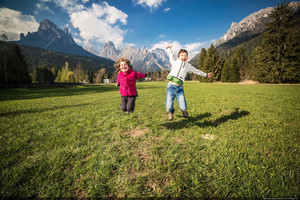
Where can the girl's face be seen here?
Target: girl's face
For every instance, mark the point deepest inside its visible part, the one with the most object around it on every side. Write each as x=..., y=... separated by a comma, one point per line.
x=183, y=56
x=124, y=66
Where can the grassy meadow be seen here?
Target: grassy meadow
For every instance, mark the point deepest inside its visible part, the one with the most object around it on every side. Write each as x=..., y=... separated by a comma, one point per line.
x=239, y=141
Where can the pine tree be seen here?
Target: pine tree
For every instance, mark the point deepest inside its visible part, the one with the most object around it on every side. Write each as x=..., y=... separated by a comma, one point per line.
x=242, y=61
x=20, y=67
x=225, y=71
x=212, y=63
x=277, y=59
x=202, y=57
x=234, y=73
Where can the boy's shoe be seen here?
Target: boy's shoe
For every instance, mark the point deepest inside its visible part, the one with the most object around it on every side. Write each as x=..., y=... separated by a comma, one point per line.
x=170, y=116
x=185, y=114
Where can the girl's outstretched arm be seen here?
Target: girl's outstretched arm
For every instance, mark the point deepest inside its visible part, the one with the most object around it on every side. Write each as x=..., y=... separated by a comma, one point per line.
x=139, y=75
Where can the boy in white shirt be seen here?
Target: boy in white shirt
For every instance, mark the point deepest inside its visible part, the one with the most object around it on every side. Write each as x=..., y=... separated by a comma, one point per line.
x=176, y=78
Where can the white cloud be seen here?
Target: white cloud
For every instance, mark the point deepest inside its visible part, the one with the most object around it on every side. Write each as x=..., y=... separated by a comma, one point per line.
x=13, y=23
x=43, y=7
x=98, y=24
x=152, y=4
x=167, y=9
x=192, y=48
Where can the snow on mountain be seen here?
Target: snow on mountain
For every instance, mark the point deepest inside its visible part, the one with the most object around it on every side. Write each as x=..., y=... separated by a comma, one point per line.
x=141, y=59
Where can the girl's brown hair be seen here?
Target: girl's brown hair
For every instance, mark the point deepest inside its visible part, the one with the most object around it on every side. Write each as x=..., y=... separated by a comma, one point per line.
x=182, y=51
x=118, y=63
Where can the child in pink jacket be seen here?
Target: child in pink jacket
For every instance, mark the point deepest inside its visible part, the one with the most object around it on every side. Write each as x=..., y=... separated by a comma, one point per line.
x=126, y=80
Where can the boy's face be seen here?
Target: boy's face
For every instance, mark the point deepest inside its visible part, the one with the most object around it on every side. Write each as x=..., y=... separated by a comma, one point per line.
x=183, y=56
x=124, y=66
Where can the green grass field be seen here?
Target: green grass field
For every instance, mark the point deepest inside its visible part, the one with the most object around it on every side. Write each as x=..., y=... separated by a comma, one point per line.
x=239, y=141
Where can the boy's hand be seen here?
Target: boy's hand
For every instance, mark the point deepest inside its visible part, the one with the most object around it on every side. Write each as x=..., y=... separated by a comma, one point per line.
x=169, y=46
x=210, y=75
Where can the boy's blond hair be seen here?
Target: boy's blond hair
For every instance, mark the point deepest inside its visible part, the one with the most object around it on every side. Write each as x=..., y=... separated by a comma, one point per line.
x=182, y=51
x=118, y=63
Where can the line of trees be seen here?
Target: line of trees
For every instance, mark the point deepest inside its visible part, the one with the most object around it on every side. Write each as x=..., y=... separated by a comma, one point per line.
x=42, y=74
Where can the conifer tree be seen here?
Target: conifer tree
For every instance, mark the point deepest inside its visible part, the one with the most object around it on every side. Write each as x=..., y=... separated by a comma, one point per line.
x=212, y=63
x=225, y=71
x=19, y=68
x=202, y=58
x=234, y=73
x=242, y=61
x=277, y=59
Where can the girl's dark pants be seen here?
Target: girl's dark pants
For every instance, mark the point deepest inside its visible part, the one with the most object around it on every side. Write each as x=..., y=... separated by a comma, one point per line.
x=127, y=104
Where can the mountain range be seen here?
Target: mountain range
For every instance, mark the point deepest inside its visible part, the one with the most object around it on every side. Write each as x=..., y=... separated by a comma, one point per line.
x=141, y=59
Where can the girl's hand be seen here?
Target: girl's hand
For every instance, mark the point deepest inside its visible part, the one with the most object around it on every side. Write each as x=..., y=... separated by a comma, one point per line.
x=210, y=75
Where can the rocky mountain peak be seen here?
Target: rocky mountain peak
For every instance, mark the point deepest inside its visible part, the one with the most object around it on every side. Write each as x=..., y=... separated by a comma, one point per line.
x=141, y=59
x=109, y=51
x=252, y=25
x=50, y=37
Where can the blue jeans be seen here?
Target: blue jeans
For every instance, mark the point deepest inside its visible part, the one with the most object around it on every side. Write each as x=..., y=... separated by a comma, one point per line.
x=172, y=92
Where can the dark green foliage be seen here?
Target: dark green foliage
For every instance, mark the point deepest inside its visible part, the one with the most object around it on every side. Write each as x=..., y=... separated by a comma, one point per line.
x=210, y=62
x=13, y=67
x=234, y=73
x=225, y=71
x=42, y=75
x=277, y=59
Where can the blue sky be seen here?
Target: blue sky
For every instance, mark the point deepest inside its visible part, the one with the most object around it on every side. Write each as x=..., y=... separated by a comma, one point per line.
x=189, y=24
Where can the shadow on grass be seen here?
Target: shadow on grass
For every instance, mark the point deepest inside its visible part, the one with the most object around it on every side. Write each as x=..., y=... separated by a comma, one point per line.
x=33, y=93
x=192, y=121
x=19, y=112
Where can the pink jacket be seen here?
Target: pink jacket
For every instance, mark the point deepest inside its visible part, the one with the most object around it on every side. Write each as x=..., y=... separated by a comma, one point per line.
x=127, y=80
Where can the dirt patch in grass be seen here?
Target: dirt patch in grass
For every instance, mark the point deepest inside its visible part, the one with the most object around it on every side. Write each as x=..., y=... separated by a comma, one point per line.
x=248, y=82
x=157, y=138
x=207, y=137
x=179, y=140
x=136, y=132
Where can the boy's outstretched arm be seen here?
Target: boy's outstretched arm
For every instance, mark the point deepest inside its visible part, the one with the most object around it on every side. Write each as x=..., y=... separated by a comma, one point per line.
x=210, y=75
x=170, y=53
x=199, y=72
